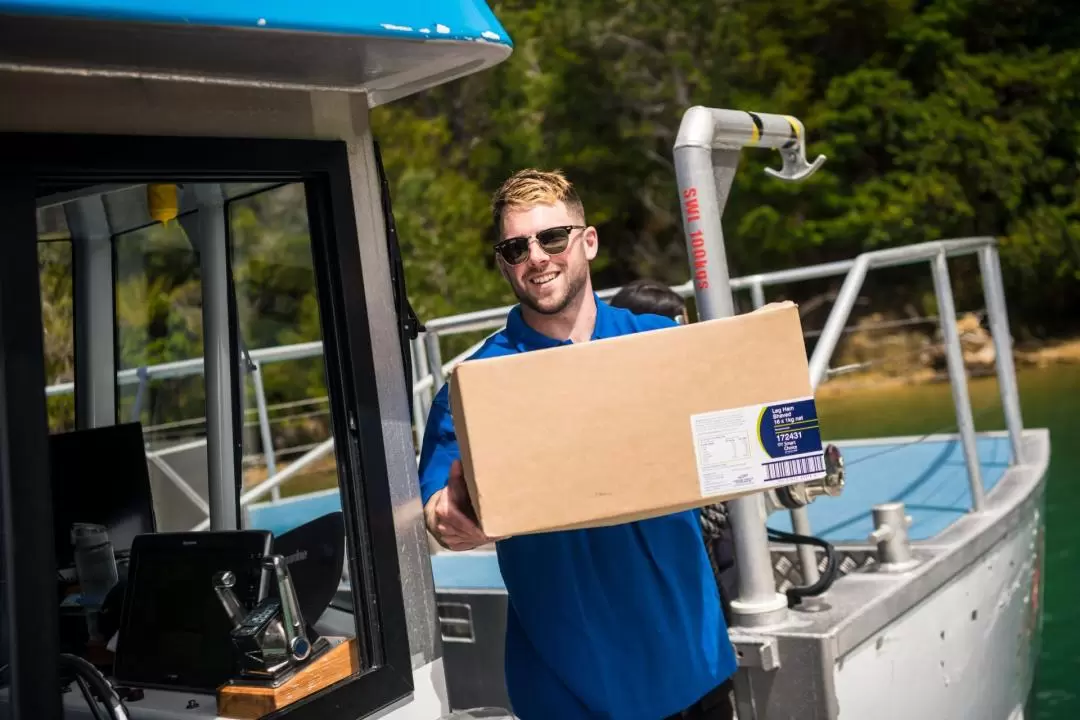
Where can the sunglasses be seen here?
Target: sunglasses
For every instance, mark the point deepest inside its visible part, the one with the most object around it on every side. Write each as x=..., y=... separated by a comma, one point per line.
x=552, y=241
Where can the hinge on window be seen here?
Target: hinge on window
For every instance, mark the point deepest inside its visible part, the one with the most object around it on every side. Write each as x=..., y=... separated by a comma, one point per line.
x=411, y=324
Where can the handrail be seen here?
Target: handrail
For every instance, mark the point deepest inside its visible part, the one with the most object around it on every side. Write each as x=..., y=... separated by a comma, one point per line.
x=937, y=253
x=270, y=483
x=854, y=270
x=849, y=291
x=495, y=318
x=194, y=366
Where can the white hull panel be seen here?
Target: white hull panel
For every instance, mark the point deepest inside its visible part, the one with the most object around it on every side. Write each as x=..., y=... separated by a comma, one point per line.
x=967, y=651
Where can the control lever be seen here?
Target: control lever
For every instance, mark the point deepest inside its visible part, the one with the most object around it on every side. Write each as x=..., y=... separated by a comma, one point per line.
x=224, y=582
x=296, y=641
x=270, y=640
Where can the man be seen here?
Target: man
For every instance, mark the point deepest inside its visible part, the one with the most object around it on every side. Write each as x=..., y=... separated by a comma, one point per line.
x=619, y=623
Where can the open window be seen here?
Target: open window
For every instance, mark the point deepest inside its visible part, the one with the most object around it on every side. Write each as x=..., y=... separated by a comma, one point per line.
x=208, y=293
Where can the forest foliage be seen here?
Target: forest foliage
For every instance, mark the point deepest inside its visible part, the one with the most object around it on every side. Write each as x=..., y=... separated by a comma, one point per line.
x=939, y=119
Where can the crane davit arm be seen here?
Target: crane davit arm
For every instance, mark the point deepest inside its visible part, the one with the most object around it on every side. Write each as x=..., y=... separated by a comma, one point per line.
x=706, y=157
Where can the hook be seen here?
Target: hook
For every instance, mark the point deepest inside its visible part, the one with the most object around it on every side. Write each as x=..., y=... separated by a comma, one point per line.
x=796, y=168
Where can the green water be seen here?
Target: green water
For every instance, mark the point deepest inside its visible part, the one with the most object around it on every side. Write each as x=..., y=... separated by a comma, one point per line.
x=1049, y=398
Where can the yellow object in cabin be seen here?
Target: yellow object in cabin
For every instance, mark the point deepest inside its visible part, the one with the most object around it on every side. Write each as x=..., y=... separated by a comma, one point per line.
x=163, y=200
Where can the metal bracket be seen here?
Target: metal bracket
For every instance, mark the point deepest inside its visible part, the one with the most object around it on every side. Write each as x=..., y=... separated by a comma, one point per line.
x=762, y=653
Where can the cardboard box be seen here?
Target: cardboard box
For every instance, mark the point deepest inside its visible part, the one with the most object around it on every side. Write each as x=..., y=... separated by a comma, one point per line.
x=637, y=426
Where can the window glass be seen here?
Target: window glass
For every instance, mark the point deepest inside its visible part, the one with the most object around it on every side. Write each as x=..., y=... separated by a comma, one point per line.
x=182, y=320
x=158, y=304
x=286, y=410
x=159, y=358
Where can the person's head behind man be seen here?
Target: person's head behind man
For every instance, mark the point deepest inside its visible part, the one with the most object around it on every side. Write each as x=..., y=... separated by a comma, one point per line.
x=646, y=296
x=543, y=244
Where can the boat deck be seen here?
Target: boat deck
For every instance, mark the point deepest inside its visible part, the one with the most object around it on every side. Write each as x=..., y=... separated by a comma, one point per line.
x=928, y=475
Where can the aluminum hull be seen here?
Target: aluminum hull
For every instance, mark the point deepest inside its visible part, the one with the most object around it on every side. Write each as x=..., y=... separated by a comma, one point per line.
x=955, y=636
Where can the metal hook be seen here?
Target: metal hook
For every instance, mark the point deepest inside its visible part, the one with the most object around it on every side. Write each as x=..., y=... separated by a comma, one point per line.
x=796, y=168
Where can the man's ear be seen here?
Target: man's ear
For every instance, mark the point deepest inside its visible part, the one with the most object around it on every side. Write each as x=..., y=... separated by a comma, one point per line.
x=592, y=243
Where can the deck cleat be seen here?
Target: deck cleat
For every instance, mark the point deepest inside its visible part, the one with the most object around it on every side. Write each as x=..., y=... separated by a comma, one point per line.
x=890, y=534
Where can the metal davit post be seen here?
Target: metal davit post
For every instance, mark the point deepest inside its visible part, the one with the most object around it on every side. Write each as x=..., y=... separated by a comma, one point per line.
x=706, y=158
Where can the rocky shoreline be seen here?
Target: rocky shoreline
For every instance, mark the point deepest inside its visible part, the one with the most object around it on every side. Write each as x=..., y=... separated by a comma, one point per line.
x=873, y=355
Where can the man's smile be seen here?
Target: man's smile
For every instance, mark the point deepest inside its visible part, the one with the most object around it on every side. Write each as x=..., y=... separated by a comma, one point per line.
x=543, y=279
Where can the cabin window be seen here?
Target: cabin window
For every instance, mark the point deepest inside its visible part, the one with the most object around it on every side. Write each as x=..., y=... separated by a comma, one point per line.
x=286, y=407
x=231, y=327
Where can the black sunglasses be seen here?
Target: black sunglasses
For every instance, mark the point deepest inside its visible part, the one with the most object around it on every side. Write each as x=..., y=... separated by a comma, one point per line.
x=552, y=241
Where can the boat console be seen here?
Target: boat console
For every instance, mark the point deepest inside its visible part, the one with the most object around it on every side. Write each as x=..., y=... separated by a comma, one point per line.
x=186, y=187
x=232, y=623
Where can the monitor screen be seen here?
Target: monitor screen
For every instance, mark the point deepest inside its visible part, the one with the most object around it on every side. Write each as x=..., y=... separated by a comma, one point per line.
x=174, y=632
x=315, y=554
x=100, y=476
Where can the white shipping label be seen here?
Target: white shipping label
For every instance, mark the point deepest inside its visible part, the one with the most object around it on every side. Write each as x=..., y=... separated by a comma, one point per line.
x=757, y=446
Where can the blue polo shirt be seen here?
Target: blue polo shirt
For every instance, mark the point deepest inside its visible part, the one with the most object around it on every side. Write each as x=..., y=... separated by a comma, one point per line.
x=619, y=623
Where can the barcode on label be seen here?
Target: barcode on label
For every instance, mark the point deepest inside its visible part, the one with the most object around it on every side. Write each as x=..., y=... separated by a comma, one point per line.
x=795, y=467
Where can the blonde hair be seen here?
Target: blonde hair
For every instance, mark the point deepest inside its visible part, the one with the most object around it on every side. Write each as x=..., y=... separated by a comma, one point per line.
x=529, y=188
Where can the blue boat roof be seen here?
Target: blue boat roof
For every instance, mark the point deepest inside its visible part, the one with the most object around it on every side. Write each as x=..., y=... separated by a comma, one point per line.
x=385, y=50
x=463, y=20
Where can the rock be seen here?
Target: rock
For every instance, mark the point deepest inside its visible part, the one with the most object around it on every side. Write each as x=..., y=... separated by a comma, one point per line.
x=882, y=350
x=976, y=344
x=901, y=352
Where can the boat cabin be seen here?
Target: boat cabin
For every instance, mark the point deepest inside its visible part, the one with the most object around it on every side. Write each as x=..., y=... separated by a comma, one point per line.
x=182, y=186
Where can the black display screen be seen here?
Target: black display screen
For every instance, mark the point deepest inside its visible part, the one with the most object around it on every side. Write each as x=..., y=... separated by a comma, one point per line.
x=175, y=632
x=121, y=501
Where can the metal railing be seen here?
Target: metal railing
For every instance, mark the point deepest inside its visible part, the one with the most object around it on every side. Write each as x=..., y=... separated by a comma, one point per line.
x=430, y=371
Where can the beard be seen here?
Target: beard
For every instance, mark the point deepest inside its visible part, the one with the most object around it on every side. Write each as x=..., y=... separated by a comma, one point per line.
x=575, y=286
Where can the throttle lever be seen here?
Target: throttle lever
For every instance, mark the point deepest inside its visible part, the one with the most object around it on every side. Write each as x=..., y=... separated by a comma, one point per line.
x=270, y=640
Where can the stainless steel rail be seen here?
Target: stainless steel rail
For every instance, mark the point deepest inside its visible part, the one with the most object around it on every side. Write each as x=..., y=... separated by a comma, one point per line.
x=429, y=365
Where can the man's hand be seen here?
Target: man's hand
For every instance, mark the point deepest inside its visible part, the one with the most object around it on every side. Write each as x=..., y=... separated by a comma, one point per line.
x=449, y=514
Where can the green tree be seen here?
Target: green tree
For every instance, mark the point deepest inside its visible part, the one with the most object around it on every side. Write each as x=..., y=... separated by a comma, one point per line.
x=940, y=119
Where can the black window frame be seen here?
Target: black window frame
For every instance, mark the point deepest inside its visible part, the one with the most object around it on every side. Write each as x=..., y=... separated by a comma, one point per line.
x=37, y=164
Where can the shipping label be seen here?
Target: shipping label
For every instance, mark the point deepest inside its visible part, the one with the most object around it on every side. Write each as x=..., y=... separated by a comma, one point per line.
x=757, y=446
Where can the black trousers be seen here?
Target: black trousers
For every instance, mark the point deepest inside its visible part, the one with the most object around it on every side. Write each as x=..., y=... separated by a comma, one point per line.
x=716, y=705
